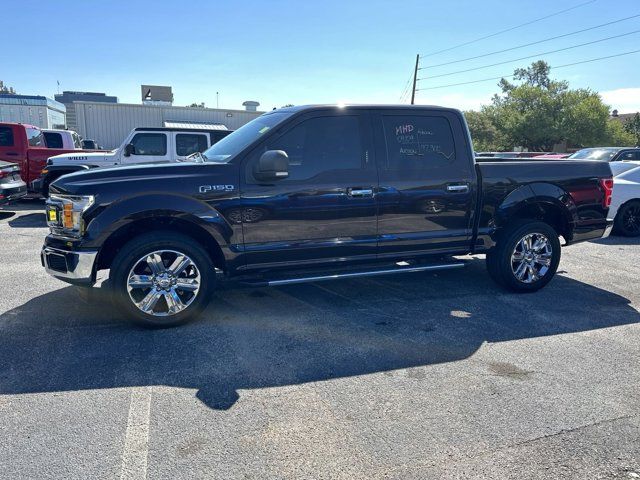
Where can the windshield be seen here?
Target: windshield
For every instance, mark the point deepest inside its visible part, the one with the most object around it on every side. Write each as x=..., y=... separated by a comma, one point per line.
x=225, y=149
x=595, y=153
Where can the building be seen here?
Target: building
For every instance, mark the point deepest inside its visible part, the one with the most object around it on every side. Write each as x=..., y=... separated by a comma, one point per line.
x=109, y=123
x=68, y=97
x=156, y=95
x=36, y=110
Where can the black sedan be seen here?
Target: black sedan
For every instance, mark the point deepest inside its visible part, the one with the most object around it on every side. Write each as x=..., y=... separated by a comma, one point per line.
x=12, y=186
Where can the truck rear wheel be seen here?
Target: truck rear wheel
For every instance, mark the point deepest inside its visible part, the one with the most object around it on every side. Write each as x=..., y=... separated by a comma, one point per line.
x=162, y=279
x=526, y=256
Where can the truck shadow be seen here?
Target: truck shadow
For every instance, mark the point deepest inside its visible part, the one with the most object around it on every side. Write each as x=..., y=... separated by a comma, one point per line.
x=257, y=338
x=29, y=220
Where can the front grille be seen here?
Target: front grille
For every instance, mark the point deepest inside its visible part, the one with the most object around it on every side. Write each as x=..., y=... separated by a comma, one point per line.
x=57, y=262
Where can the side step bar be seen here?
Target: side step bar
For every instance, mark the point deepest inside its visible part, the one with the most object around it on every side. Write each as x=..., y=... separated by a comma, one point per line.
x=366, y=273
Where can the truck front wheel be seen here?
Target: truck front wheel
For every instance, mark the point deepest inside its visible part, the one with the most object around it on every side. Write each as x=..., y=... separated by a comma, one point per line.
x=526, y=256
x=162, y=279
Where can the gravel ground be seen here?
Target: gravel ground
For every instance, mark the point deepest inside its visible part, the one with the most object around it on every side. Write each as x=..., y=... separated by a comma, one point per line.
x=410, y=376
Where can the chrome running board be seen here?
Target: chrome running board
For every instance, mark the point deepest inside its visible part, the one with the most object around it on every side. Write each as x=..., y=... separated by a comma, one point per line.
x=366, y=273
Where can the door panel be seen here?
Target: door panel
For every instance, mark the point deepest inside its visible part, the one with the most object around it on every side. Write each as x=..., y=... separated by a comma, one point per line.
x=427, y=191
x=325, y=211
x=149, y=147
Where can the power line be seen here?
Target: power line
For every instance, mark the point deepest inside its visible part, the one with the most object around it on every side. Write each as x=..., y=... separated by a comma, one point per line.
x=532, y=43
x=511, y=76
x=510, y=29
x=530, y=56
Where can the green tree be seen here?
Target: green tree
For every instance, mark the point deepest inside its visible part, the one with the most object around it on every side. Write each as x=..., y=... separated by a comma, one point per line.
x=538, y=112
x=197, y=105
x=483, y=132
x=618, y=136
x=632, y=127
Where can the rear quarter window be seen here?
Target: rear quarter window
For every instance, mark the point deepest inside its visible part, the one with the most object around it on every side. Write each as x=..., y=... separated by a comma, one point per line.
x=53, y=139
x=417, y=142
x=6, y=137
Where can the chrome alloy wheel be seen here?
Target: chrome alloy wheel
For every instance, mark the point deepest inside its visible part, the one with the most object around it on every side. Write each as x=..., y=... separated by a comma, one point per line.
x=531, y=258
x=163, y=283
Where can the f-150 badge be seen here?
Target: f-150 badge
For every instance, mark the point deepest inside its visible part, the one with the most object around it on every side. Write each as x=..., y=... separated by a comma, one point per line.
x=216, y=188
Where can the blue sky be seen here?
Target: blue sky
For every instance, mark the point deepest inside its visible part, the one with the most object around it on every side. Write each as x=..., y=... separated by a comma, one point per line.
x=279, y=52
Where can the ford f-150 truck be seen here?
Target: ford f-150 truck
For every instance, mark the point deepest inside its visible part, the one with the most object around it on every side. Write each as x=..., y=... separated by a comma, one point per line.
x=142, y=145
x=26, y=145
x=315, y=193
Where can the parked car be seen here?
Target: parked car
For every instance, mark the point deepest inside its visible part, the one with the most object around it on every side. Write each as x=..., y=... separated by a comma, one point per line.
x=510, y=155
x=67, y=139
x=12, y=187
x=338, y=185
x=608, y=154
x=25, y=145
x=552, y=156
x=142, y=145
x=625, y=201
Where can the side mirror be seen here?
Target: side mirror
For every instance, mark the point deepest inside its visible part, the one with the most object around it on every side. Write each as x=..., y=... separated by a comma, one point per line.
x=129, y=149
x=272, y=165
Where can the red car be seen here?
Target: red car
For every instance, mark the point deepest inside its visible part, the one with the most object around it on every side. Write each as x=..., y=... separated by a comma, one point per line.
x=25, y=145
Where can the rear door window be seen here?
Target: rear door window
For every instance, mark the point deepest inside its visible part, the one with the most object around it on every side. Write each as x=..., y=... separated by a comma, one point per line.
x=188, y=143
x=35, y=137
x=53, y=139
x=416, y=143
x=6, y=137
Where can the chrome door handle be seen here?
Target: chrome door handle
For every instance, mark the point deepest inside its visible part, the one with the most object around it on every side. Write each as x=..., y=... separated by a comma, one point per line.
x=458, y=188
x=360, y=192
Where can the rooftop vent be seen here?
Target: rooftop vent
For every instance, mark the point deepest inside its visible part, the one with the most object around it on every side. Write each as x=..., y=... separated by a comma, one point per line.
x=251, y=106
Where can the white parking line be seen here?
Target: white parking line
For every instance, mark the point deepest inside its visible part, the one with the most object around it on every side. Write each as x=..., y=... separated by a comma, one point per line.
x=136, y=442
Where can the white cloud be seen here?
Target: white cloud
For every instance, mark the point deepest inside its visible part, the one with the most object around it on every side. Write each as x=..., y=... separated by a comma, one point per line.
x=625, y=100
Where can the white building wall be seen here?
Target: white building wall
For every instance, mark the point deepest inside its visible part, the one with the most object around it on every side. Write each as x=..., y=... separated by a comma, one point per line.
x=109, y=123
x=31, y=114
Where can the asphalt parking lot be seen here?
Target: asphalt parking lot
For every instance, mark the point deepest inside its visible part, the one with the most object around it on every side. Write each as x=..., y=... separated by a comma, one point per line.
x=416, y=376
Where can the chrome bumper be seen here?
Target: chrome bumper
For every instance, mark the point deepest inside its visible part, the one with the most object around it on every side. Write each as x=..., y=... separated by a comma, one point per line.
x=607, y=231
x=71, y=267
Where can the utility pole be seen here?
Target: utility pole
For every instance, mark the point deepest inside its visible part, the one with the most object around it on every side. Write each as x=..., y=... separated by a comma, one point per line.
x=415, y=79
x=217, y=100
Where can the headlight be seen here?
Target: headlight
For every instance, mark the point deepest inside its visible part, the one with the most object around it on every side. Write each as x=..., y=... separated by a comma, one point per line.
x=64, y=212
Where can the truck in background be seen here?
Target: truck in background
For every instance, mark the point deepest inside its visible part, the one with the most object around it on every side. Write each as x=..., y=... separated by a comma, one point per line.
x=58, y=138
x=142, y=145
x=26, y=146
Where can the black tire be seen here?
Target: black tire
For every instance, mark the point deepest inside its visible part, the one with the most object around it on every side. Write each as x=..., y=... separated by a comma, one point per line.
x=130, y=256
x=499, y=259
x=627, y=221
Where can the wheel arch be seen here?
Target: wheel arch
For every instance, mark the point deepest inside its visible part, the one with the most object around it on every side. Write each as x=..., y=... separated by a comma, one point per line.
x=124, y=233
x=544, y=202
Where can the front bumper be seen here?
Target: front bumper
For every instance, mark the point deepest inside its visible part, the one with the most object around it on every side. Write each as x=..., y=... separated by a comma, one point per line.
x=76, y=268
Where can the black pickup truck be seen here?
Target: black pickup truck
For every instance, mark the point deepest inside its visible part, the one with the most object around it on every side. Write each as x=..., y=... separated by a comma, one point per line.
x=315, y=193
